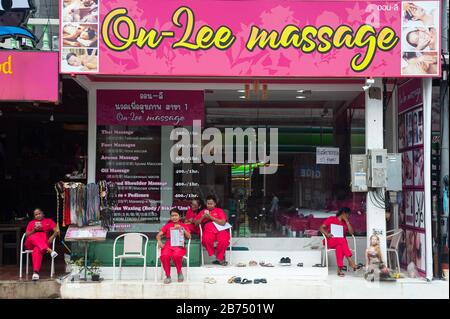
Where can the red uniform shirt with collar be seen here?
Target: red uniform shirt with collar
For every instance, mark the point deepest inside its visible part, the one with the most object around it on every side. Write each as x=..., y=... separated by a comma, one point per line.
x=207, y=224
x=190, y=214
x=166, y=230
x=335, y=220
x=47, y=225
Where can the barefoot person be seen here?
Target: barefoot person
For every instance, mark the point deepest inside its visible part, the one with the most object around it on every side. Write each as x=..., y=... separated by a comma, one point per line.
x=38, y=241
x=168, y=251
x=211, y=234
x=340, y=244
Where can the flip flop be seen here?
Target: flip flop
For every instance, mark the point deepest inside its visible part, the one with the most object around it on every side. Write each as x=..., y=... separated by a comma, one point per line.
x=340, y=273
x=209, y=280
x=245, y=281
x=267, y=265
x=252, y=263
x=358, y=267
x=263, y=280
x=256, y=281
x=237, y=280
x=223, y=263
x=241, y=265
x=231, y=280
x=300, y=265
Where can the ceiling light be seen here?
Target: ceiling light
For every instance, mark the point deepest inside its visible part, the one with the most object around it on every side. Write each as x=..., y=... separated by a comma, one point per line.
x=300, y=91
x=242, y=97
x=1, y=113
x=241, y=91
x=300, y=97
x=52, y=118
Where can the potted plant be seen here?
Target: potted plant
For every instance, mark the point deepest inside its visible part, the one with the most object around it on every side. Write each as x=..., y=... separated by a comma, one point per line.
x=94, y=270
x=75, y=268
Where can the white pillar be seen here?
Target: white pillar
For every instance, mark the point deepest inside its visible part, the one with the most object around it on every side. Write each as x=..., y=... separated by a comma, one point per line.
x=166, y=172
x=92, y=134
x=427, y=91
x=376, y=216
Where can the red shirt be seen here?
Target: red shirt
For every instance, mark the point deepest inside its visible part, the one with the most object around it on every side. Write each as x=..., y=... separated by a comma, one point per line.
x=334, y=220
x=47, y=225
x=166, y=230
x=190, y=214
x=207, y=223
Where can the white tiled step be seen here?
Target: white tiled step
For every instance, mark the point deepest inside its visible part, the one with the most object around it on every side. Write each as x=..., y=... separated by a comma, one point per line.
x=307, y=257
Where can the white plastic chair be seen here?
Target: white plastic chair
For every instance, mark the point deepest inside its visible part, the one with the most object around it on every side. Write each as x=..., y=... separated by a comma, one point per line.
x=394, y=236
x=327, y=250
x=132, y=249
x=158, y=256
x=201, y=245
x=28, y=252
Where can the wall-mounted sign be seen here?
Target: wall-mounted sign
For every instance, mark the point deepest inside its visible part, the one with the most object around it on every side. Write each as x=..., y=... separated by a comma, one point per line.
x=251, y=38
x=29, y=76
x=327, y=155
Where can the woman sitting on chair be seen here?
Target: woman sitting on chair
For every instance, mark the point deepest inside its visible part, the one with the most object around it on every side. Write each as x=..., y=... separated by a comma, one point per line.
x=211, y=234
x=37, y=240
x=196, y=207
x=340, y=244
x=167, y=250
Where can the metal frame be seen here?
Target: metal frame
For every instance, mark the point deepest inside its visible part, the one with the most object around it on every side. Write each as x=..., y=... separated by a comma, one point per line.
x=28, y=252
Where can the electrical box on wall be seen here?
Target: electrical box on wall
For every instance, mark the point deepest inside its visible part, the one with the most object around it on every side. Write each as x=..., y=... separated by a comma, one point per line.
x=377, y=168
x=358, y=166
x=394, y=172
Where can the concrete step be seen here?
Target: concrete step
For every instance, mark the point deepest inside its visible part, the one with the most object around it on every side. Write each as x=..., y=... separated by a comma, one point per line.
x=42, y=289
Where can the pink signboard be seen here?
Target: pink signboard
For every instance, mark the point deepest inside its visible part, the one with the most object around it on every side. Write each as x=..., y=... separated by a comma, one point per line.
x=409, y=94
x=149, y=108
x=28, y=76
x=251, y=38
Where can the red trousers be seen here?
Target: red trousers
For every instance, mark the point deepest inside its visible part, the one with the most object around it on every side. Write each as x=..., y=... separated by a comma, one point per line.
x=342, y=249
x=176, y=253
x=223, y=241
x=38, y=244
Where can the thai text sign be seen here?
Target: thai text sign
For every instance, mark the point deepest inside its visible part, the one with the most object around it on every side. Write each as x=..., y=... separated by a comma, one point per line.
x=327, y=155
x=251, y=38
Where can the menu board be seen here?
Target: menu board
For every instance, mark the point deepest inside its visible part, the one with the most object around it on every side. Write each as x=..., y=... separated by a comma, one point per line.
x=131, y=158
x=129, y=149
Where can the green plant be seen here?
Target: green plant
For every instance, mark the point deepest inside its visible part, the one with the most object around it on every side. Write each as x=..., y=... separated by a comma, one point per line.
x=95, y=268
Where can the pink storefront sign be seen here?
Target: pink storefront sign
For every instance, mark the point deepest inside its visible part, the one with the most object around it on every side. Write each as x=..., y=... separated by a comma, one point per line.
x=252, y=38
x=409, y=94
x=149, y=107
x=29, y=76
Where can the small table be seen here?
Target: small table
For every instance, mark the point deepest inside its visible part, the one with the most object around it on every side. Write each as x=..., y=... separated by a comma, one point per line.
x=85, y=235
x=11, y=228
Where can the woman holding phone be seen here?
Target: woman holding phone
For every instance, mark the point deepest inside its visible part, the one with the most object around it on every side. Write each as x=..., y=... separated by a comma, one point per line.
x=38, y=241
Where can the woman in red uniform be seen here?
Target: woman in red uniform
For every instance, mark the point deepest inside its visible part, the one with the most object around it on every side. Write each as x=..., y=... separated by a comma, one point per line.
x=38, y=241
x=196, y=207
x=167, y=250
x=340, y=244
x=211, y=234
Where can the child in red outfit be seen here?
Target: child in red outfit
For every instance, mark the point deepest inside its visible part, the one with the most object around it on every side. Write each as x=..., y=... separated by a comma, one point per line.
x=38, y=241
x=210, y=233
x=340, y=244
x=172, y=252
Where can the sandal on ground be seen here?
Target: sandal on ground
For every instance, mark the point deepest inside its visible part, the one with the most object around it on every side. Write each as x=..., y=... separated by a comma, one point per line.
x=245, y=281
x=263, y=280
x=223, y=263
x=168, y=280
x=358, y=267
x=318, y=265
x=216, y=262
x=256, y=281
x=231, y=280
x=252, y=263
x=241, y=265
x=209, y=280
x=266, y=264
x=300, y=265
x=340, y=273
x=237, y=280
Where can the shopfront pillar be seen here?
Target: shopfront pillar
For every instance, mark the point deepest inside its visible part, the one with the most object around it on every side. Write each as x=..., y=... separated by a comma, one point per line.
x=376, y=216
x=166, y=172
